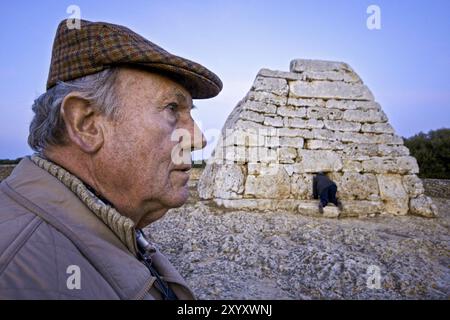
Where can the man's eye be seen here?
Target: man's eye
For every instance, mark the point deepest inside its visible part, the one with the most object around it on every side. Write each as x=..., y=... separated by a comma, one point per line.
x=173, y=107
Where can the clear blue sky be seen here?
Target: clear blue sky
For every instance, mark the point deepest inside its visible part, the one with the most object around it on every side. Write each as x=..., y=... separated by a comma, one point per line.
x=406, y=64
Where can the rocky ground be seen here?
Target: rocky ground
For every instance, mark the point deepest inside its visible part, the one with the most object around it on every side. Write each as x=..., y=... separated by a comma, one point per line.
x=282, y=255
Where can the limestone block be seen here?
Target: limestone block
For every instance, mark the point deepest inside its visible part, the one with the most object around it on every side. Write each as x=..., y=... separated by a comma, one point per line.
x=423, y=206
x=266, y=97
x=329, y=90
x=401, y=165
x=365, y=116
x=273, y=121
x=310, y=103
x=393, y=194
x=352, y=105
x=221, y=181
x=331, y=76
x=392, y=150
x=276, y=86
x=291, y=111
x=252, y=116
x=413, y=185
x=287, y=155
x=310, y=208
x=273, y=186
x=408, y=164
x=305, y=65
x=350, y=165
x=262, y=154
x=324, y=113
x=259, y=107
x=317, y=160
x=301, y=186
x=357, y=186
x=360, y=151
x=280, y=74
x=342, y=125
x=325, y=134
x=323, y=145
x=241, y=137
x=289, y=132
x=303, y=124
x=377, y=128
x=361, y=208
x=294, y=142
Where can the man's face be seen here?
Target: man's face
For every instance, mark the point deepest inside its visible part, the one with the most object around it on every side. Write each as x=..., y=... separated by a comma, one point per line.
x=142, y=151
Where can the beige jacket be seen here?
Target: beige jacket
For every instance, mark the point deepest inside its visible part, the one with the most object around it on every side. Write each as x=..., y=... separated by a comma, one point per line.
x=48, y=236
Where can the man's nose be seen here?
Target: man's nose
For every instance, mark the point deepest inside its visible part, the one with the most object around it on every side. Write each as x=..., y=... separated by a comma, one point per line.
x=199, y=141
x=193, y=139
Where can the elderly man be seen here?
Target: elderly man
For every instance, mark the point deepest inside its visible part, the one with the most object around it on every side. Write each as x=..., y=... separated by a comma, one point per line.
x=113, y=135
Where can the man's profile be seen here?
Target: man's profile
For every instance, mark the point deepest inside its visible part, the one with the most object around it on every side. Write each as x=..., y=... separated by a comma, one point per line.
x=72, y=214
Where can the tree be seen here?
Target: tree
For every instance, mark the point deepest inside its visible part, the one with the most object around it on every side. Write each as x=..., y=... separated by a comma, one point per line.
x=432, y=151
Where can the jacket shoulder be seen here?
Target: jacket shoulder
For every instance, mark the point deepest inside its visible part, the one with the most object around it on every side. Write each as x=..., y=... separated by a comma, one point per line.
x=39, y=262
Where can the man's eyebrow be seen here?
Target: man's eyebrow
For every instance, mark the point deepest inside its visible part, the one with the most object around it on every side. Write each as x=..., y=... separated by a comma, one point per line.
x=183, y=100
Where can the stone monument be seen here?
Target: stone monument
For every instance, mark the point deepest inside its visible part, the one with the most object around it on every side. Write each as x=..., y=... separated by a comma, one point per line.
x=318, y=117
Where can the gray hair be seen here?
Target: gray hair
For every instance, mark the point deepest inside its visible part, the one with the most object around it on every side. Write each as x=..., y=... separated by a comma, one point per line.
x=48, y=127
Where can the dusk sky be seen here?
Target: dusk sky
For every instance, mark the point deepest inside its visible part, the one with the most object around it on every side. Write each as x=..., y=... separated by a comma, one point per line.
x=406, y=63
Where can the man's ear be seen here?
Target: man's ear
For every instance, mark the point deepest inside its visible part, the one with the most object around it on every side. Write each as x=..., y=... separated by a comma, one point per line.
x=83, y=123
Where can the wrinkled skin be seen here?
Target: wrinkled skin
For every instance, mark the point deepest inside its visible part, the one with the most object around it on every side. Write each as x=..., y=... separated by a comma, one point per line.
x=130, y=160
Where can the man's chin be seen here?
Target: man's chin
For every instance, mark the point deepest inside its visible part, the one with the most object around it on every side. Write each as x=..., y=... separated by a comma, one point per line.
x=178, y=198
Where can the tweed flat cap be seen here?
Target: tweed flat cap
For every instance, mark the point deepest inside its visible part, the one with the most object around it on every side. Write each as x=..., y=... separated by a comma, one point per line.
x=98, y=45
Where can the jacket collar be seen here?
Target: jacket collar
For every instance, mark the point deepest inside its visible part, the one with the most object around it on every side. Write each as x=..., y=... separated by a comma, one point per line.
x=49, y=198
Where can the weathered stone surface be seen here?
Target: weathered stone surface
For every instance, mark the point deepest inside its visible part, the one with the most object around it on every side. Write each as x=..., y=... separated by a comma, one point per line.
x=259, y=107
x=324, y=113
x=291, y=142
x=365, y=116
x=273, y=121
x=318, y=160
x=393, y=194
x=377, y=128
x=349, y=165
x=342, y=125
x=241, y=137
x=276, y=86
x=357, y=186
x=287, y=155
x=413, y=185
x=423, y=206
x=301, y=186
x=323, y=145
x=281, y=255
x=273, y=186
x=331, y=76
x=266, y=97
x=311, y=102
x=325, y=134
x=290, y=132
x=402, y=165
x=352, y=105
x=303, y=124
x=228, y=181
x=292, y=111
x=280, y=74
x=305, y=65
x=252, y=116
x=361, y=208
x=329, y=90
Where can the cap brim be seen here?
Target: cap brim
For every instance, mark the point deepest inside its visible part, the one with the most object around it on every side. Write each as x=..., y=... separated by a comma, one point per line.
x=198, y=86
